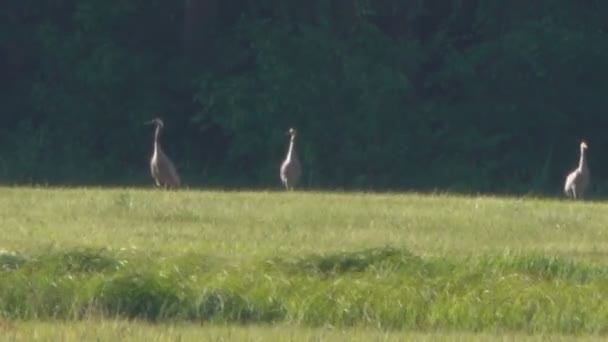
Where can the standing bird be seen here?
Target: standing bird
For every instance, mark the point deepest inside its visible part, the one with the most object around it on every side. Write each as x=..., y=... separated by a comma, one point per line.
x=578, y=180
x=162, y=168
x=290, y=169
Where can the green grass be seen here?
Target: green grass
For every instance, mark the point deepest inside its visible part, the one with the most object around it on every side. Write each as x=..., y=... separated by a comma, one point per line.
x=251, y=224
x=113, y=330
x=392, y=263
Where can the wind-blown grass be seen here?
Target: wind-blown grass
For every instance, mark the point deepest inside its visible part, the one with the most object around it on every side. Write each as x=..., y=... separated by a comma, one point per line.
x=382, y=288
x=393, y=262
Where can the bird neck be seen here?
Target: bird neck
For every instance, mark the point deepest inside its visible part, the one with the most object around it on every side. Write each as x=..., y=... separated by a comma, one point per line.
x=582, y=164
x=291, y=151
x=157, y=139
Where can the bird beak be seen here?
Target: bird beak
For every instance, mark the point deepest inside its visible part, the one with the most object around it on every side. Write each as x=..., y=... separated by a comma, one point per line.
x=149, y=122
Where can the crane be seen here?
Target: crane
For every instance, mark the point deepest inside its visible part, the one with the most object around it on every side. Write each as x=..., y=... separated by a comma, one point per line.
x=577, y=181
x=161, y=167
x=291, y=169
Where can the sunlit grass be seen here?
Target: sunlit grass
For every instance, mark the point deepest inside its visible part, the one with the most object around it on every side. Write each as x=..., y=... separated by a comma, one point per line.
x=379, y=264
x=112, y=330
x=245, y=224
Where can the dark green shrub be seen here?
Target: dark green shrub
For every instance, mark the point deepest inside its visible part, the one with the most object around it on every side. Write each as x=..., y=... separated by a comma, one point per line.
x=144, y=295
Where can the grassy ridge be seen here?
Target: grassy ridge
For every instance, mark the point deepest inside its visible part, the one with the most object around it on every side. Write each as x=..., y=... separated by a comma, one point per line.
x=409, y=262
x=385, y=288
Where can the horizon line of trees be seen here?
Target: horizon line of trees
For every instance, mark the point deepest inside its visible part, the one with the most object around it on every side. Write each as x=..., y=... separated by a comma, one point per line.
x=457, y=95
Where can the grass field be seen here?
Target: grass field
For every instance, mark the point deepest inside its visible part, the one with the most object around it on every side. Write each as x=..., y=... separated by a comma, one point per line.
x=311, y=266
x=111, y=330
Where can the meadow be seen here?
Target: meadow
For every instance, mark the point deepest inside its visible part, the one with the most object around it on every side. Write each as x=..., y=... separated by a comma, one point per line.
x=190, y=264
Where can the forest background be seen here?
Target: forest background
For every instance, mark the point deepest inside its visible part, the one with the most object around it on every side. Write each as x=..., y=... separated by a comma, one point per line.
x=457, y=95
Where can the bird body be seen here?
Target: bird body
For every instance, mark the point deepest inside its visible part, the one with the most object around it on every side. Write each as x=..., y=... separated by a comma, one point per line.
x=577, y=181
x=161, y=167
x=290, y=169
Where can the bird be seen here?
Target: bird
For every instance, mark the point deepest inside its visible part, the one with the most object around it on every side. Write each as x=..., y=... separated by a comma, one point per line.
x=290, y=168
x=578, y=180
x=161, y=167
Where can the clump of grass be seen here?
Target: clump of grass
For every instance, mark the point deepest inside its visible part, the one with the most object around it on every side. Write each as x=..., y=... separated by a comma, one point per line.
x=83, y=260
x=385, y=287
x=223, y=305
x=147, y=295
x=346, y=262
x=36, y=294
x=555, y=267
x=11, y=260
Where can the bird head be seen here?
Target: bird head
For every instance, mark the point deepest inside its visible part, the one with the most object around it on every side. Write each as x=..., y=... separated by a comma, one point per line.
x=155, y=121
x=583, y=145
x=291, y=132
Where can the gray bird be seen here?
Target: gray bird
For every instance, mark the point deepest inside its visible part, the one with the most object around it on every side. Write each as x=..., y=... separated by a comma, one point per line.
x=577, y=181
x=290, y=169
x=162, y=168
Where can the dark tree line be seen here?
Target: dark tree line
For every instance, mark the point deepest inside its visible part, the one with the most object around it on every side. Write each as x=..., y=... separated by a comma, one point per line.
x=463, y=95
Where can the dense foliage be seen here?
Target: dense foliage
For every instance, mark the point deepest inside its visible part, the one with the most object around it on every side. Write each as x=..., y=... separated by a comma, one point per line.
x=451, y=94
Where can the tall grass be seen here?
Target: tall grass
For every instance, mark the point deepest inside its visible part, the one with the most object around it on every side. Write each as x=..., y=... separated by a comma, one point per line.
x=383, y=288
x=393, y=262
